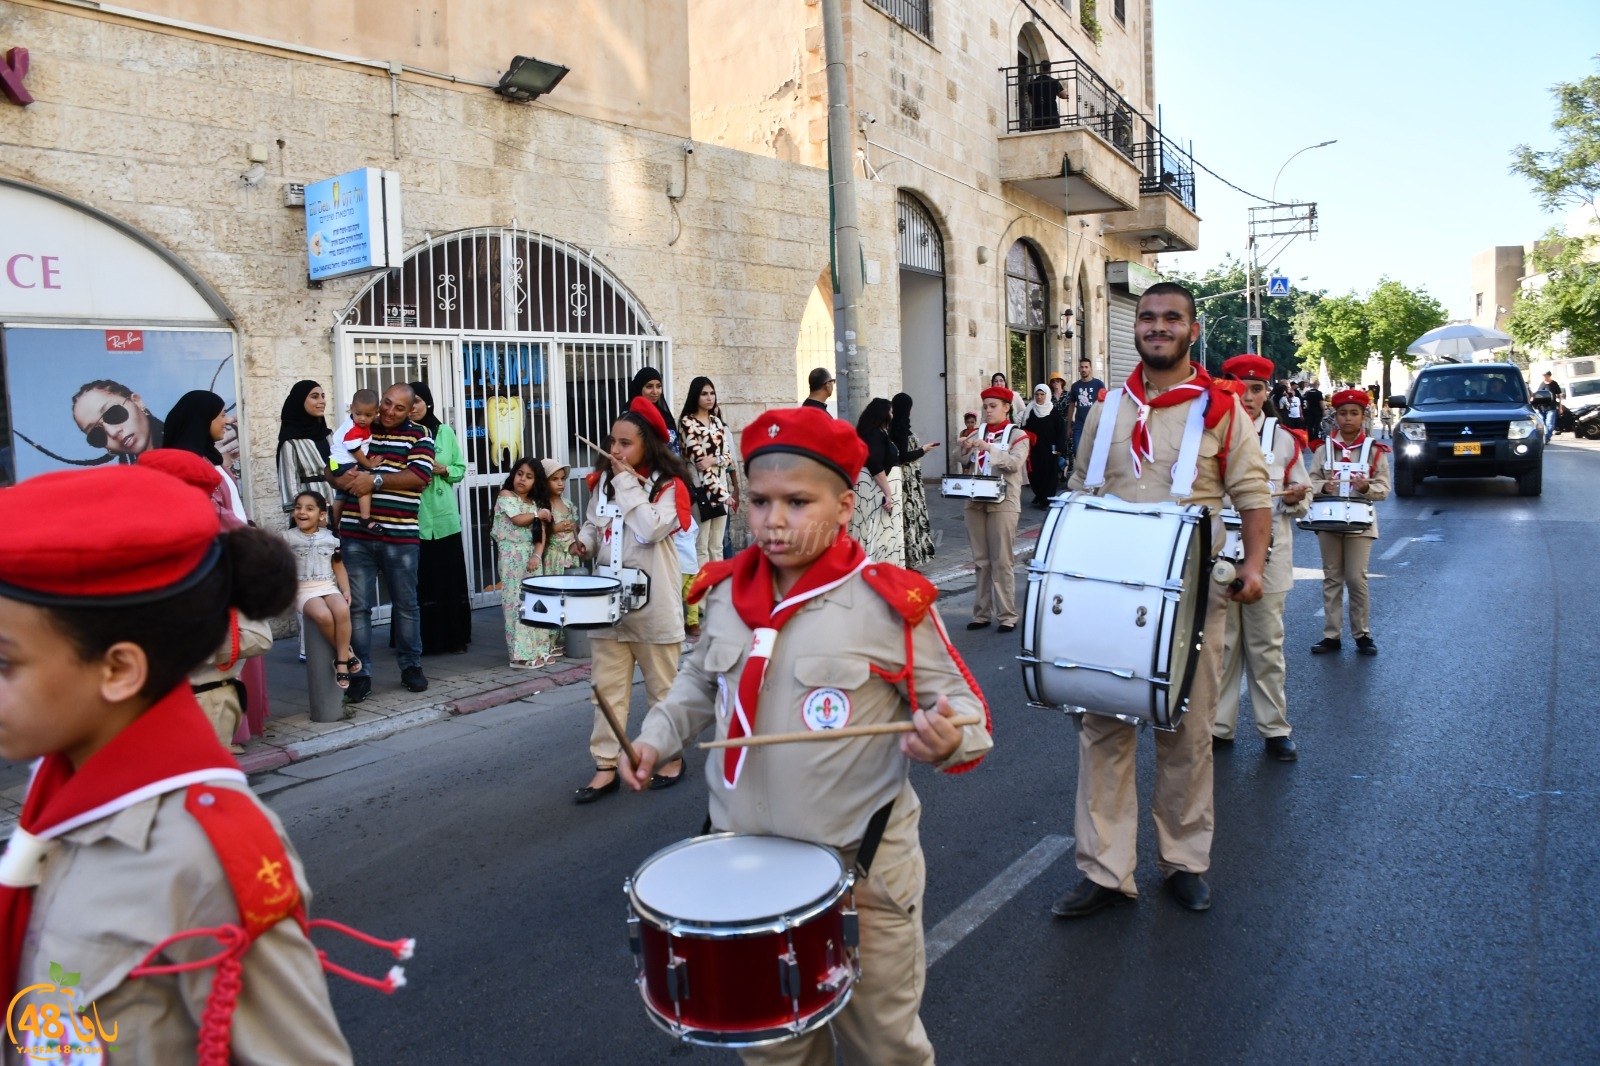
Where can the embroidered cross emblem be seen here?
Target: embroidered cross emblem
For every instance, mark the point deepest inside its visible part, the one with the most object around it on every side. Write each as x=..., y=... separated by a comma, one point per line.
x=270, y=873
x=772, y=431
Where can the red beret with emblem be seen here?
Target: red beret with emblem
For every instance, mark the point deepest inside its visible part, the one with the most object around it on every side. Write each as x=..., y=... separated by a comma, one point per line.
x=651, y=414
x=54, y=550
x=1249, y=368
x=1358, y=397
x=810, y=432
x=999, y=392
x=185, y=466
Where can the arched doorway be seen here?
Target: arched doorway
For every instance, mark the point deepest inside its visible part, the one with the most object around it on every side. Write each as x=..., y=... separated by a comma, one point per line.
x=922, y=340
x=814, y=348
x=528, y=343
x=1027, y=312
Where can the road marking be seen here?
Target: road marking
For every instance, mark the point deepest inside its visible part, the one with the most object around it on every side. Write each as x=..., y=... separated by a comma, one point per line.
x=1399, y=546
x=996, y=894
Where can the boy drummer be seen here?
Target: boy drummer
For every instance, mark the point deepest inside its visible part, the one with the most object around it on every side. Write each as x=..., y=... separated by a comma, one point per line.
x=796, y=626
x=1254, y=634
x=1349, y=459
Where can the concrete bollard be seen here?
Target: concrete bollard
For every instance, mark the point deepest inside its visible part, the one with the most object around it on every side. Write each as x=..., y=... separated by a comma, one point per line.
x=327, y=698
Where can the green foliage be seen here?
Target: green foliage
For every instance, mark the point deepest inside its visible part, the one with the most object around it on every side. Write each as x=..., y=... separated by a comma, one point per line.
x=1568, y=175
x=1089, y=20
x=1227, y=316
x=1565, y=310
x=1346, y=331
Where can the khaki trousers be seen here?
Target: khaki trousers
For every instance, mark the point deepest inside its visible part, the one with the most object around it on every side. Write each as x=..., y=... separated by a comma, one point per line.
x=1107, y=819
x=611, y=664
x=222, y=710
x=1255, y=640
x=880, y=1026
x=993, y=535
x=1344, y=565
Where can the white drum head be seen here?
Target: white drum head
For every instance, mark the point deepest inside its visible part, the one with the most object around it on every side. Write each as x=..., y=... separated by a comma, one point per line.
x=734, y=879
x=571, y=584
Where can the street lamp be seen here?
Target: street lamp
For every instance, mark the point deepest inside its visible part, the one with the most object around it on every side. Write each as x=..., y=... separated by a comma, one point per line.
x=1291, y=159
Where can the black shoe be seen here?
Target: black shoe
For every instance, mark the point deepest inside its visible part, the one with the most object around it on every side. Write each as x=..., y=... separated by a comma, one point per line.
x=1364, y=646
x=1282, y=748
x=1326, y=645
x=977, y=625
x=411, y=677
x=1190, y=890
x=360, y=688
x=1007, y=628
x=588, y=794
x=661, y=781
x=1221, y=742
x=1087, y=898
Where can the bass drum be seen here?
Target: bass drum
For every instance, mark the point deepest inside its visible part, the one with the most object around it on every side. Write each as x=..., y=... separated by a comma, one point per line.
x=1116, y=608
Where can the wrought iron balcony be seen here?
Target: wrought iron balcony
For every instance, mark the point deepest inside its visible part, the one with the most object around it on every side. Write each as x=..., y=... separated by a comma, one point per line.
x=1164, y=167
x=1069, y=94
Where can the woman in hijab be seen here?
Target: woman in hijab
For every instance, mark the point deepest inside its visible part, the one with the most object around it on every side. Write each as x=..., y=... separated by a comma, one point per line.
x=302, y=443
x=1044, y=423
x=913, y=497
x=647, y=383
x=195, y=424
x=442, y=597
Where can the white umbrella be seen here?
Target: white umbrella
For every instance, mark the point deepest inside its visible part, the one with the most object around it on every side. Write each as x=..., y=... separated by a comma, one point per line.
x=1457, y=339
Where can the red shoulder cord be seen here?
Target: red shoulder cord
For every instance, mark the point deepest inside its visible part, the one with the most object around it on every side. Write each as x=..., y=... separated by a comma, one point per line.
x=233, y=637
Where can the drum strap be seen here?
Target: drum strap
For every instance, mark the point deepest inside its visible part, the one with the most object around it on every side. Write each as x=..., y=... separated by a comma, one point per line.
x=1095, y=476
x=1269, y=434
x=1183, y=471
x=872, y=838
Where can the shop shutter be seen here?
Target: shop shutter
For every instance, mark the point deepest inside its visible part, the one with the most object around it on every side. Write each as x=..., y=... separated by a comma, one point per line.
x=1121, y=312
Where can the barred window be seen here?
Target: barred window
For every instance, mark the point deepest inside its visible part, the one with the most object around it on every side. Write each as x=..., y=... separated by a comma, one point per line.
x=912, y=14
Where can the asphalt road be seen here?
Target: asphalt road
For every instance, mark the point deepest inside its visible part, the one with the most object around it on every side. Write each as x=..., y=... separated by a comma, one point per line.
x=1418, y=888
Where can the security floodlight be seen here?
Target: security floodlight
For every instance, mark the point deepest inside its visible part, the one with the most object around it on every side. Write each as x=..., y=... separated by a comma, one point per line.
x=528, y=79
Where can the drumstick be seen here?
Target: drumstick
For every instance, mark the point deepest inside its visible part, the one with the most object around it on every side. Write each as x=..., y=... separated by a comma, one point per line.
x=616, y=727
x=831, y=734
x=591, y=444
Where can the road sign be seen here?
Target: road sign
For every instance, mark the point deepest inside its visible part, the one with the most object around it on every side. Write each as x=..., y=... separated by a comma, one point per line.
x=1277, y=285
x=1254, y=327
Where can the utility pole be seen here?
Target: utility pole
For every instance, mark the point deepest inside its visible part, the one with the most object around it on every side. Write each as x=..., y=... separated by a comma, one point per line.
x=849, y=355
x=1273, y=220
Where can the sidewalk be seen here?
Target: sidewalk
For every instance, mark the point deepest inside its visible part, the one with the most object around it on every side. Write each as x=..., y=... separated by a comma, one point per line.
x=478, y=679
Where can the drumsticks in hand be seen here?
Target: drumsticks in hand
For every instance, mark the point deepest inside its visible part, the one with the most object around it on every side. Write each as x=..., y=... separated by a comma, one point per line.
x=832, y=734
x=617, y=728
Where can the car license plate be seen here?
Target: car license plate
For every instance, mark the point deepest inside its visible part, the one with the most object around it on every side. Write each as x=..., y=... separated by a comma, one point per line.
x=1469, y=448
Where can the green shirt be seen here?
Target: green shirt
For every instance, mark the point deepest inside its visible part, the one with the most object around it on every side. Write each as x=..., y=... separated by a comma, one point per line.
x=439, y=517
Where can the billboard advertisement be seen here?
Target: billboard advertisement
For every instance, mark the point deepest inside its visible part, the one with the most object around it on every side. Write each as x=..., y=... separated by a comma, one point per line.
x=353, y=224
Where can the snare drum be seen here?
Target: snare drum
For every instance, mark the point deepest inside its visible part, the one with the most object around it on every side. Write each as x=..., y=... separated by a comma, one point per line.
x=1116, y=608
x=1338, y=514
x=983, y=487
x=571, y=601
x=1232, y=536
x=743, y=940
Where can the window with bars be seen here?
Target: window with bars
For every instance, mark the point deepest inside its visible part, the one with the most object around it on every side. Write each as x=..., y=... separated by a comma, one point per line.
x=912, y=14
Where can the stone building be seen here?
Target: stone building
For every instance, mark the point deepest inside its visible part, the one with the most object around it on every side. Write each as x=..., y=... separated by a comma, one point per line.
x=153, y=230
x=1022, y=191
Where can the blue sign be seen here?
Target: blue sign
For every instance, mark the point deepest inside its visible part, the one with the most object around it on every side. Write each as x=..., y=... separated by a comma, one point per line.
x=353, y=224
x=1277, y=285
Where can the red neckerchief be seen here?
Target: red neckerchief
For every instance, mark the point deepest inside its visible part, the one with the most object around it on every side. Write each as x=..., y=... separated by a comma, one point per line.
x=1222, y=402
x=682, y=501
x=166, y=748
x=755, y=598
x=989, y=436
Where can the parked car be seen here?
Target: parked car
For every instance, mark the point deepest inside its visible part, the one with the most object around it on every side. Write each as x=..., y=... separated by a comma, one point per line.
x=1467, y=420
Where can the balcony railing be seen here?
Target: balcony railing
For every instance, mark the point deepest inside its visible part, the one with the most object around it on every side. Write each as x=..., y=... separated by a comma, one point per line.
x=1164, y=167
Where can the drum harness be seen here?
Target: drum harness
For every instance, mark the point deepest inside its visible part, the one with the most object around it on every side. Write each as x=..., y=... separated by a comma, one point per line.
x=1346, y=469
x=635, y=582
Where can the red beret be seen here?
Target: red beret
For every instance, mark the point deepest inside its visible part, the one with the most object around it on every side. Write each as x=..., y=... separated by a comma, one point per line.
x=999, y=392
x=56, y=551
x=809, y=432
x=185, y=466
x=1249, y=367
x=651, y=414
x=1355, y=396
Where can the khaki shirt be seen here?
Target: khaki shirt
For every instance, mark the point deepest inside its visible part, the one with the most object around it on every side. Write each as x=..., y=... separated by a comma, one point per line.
x=660, y=621
x=1011, y=466
x=115, y=888
x=826, y=791
x=1377, y=484
x=1244, y=479
x=1279, y=575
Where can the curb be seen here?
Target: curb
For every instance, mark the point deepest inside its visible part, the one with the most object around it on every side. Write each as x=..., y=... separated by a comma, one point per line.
x=274, y=756
x=965, y=573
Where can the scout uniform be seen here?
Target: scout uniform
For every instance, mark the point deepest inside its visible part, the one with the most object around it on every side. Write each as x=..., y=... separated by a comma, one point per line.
x=856, y=643
x=992, y=526
x=1254, y=631
x=652, y=636
x=1345, y=555
x=132, y=868
x=1230, y=463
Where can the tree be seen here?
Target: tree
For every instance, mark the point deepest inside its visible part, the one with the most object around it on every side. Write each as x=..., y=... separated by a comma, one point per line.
x=1227, y=315
x=1347, y=331
x=1568, y=175
x=1397, y=316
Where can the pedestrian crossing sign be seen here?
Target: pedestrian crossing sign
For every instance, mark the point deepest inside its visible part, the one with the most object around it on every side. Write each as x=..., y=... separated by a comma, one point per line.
x=1278, y=285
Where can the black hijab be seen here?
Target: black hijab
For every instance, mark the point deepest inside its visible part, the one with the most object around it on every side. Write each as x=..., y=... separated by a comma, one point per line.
x=296, y=424
x=645, y=376
x=425, y=394
x=900, y=422
x=188, y=424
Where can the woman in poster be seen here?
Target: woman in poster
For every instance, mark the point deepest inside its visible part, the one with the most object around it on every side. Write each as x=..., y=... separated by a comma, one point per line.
x=113, y=417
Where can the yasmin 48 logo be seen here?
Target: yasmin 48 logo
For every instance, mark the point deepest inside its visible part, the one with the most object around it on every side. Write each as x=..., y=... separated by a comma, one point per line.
x=41, y=1030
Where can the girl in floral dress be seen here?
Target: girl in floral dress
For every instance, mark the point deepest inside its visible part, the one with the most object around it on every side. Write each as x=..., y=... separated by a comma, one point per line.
x=558, y=554
x=521, y=517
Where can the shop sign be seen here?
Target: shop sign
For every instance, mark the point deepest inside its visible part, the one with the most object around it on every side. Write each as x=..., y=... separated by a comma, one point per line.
x=1136, y=276
x=353, y=224
x=14, y=68
x=400, y=315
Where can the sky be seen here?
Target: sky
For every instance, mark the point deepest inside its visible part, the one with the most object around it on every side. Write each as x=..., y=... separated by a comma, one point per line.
x=1426, y=99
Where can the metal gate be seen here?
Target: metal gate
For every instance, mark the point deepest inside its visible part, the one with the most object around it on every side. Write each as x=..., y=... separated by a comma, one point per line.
x=527, y=342
x=1122, y=312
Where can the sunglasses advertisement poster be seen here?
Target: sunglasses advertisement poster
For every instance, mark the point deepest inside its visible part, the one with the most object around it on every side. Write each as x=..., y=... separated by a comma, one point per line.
x=86, y=397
